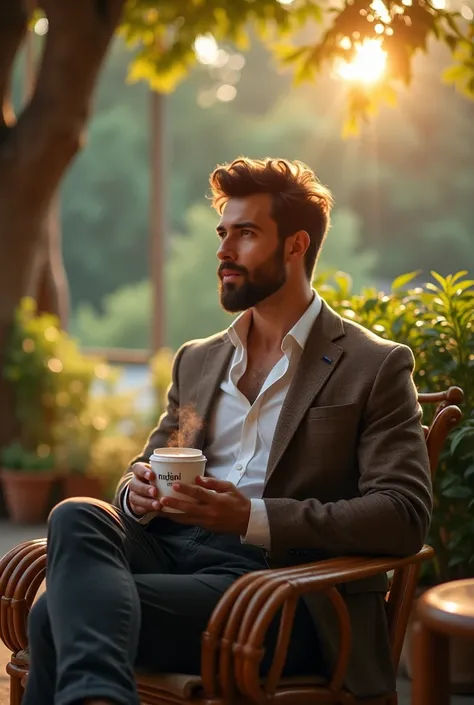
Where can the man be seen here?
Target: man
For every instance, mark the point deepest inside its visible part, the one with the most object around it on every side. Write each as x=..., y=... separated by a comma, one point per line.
x=311, y=428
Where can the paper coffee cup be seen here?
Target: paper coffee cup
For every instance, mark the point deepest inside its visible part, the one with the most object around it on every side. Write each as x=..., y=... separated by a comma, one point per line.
x=172, y=465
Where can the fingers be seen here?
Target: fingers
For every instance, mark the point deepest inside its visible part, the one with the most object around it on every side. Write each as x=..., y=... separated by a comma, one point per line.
x=142, y=471
x=192, y=512
x=217, y=485
x=143, y=496
x=143, y=489
x=198, y=493
x=205, y=499
x=143, y=505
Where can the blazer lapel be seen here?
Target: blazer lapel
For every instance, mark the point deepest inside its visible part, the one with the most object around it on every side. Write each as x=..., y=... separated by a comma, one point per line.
x=318, y=361
x=215, y=366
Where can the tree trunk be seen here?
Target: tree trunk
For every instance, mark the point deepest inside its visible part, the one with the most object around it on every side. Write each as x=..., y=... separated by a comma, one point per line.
x=49, y=286
x=37, y=149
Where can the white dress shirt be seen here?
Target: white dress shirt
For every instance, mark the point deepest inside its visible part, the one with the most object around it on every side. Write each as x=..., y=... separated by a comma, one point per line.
x=240, y=434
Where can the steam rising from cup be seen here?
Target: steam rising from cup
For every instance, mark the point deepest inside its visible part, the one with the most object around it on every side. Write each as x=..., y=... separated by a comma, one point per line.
x=189, y=426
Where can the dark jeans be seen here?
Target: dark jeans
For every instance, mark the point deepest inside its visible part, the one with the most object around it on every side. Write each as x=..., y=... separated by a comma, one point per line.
x=121, y=595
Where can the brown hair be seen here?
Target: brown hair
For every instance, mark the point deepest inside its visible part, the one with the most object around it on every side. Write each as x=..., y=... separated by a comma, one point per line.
x=299, y=200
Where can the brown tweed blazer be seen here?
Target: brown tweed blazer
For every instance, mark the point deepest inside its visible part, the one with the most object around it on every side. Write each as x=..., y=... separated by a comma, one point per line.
x=348, y=471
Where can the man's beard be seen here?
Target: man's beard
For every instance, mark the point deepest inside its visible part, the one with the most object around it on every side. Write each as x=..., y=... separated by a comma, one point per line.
x=264, y=281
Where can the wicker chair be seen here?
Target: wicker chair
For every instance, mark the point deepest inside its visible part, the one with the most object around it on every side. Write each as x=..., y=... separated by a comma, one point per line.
x=232, y=642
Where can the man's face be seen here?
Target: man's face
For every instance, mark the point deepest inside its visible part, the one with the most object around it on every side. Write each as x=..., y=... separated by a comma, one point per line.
x=251, y=255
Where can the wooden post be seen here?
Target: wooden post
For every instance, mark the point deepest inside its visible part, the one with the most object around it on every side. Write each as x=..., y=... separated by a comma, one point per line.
x=157, y=218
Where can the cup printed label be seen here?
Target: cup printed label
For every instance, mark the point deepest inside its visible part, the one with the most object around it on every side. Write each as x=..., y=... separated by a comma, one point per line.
x=170, y=477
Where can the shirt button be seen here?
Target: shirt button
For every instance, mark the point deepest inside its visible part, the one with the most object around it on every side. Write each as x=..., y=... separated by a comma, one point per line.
x=238, y=467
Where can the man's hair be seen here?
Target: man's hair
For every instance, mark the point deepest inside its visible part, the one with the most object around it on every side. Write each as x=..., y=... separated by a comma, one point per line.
x=299, y=200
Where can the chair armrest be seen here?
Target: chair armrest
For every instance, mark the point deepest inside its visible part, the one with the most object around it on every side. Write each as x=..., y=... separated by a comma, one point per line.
x=22, y=571
x=452, y=395
x=232, y=644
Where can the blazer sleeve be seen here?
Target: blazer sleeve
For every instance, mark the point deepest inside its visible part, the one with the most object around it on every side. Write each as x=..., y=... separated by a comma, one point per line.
x=160, y=436
x=392, y=514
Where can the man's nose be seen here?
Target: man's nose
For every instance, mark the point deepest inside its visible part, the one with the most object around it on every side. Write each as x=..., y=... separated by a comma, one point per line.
x=225, y=252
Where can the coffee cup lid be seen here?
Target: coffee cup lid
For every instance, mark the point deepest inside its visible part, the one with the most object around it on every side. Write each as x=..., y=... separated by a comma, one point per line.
x=177, y=455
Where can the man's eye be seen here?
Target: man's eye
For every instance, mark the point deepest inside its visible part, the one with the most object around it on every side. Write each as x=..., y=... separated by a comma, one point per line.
x=246, y=232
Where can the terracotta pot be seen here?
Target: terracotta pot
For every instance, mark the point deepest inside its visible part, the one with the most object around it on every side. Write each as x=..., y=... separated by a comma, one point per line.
x=461, y=656
x=82, y=486
x=27, y=494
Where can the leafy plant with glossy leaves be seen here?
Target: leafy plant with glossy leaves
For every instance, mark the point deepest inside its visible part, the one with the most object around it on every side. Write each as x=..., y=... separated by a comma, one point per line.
x=436, y=321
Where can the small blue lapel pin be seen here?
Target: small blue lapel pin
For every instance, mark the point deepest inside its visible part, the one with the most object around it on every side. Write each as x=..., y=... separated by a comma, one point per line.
x=327, y=360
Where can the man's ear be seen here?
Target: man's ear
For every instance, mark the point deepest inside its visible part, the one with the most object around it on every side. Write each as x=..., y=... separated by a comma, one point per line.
x=298, y=244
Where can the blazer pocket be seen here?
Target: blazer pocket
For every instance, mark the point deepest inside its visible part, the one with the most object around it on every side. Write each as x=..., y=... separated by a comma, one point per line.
x=332, y=412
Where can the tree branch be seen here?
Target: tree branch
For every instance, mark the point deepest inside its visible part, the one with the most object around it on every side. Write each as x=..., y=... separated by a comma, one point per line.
x=49, y=131
x=13, y=24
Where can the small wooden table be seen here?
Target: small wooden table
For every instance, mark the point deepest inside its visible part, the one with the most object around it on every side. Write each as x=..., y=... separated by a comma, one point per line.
x=443, y=611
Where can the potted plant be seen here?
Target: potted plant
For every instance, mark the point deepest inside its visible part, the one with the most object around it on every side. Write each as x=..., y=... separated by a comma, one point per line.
x=437, y=321
x=27, y=478
x=52, y=383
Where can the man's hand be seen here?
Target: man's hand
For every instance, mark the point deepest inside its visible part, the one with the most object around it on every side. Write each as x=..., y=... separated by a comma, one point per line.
x=220, y=506
x=142, y=495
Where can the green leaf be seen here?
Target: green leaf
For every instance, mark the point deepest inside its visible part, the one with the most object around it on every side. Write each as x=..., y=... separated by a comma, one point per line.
x=457, y=559
x=459, y=275
x=455, y=73
x=441, y=280
x=369, y=305
x=351, y=127
x=447, y=481
x=462, y=286
x=459, y=437
x=458, y=492
x=404, y=279
x=432, y=287
x=344, y=283
x=451, y=41
x=469, y=472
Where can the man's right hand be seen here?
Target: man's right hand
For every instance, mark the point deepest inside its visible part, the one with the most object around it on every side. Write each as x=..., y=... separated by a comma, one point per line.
x=142, y=494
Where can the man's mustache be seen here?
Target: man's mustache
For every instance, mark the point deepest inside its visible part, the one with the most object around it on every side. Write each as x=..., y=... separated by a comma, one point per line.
x=229, y=266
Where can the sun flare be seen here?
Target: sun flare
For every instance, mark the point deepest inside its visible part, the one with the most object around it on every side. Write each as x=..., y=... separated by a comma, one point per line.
x=368, y=64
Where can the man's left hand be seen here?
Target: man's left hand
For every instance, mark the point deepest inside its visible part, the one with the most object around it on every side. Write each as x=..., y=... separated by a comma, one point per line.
x=220, y=507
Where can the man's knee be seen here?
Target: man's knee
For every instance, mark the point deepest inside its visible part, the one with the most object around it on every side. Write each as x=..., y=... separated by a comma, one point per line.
x=76, y=519
x=70, y=509
x=38, y=621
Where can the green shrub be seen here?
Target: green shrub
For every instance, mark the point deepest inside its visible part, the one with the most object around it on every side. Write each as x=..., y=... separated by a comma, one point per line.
x=437, y=321
x=15, y=457
x=62, y=414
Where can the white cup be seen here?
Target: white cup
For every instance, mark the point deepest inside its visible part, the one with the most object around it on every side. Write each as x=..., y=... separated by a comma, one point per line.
x=172, y=465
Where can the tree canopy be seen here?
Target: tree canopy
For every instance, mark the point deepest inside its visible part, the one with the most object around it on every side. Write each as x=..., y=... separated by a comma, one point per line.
x=306, y=35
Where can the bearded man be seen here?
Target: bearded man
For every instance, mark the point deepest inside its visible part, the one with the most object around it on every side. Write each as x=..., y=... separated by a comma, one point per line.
x=314, y=445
